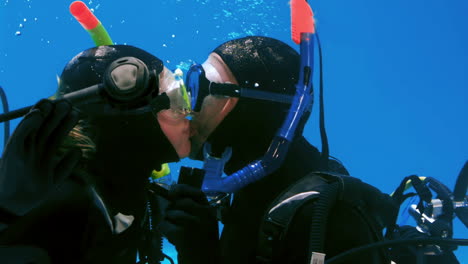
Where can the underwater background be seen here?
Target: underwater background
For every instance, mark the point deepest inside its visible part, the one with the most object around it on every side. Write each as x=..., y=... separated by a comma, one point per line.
x=395, y=72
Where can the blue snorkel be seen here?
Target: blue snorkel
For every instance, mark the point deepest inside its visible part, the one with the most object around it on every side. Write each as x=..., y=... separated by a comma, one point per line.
x=214, y=182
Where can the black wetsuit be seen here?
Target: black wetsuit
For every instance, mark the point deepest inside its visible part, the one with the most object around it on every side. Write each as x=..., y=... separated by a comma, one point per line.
x=69, y=228
x=240, y=235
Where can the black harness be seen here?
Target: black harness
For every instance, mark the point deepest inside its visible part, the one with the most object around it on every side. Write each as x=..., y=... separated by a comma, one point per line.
x=324, y=189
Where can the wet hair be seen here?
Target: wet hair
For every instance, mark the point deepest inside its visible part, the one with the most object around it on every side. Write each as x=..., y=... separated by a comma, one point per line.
x=259, y=63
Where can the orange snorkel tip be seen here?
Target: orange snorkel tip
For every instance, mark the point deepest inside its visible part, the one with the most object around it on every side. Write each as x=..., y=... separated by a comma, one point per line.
x=302, y=19
x=89, y=21
x=83, y=15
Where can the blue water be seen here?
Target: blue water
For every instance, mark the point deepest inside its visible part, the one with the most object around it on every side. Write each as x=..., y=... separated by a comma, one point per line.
x=395, y=71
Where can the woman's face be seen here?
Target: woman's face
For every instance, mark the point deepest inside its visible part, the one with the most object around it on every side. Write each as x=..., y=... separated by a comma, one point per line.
x=173, y=121
x=177, y=131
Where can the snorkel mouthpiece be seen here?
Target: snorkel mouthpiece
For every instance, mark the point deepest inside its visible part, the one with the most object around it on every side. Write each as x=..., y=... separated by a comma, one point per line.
x=302, y=26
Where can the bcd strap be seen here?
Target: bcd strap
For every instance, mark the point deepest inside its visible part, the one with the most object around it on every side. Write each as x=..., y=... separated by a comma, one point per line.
x=399, y=197
x=279, y=216
x=324, y=190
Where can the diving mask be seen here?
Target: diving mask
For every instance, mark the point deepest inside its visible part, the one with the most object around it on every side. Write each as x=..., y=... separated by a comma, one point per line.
x=173, y=86
x=199, y=87
x=128, y=87
x=173, y=120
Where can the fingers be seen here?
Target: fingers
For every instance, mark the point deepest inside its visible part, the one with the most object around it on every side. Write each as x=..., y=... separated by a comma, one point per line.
x=188, y=212
x=58, y=136
x=66, y=165
x=173, y=233
x=179, y=191
x=55, y=127
x=182, y=218
x=190, y=206
x=25, y=132
x=178, y=227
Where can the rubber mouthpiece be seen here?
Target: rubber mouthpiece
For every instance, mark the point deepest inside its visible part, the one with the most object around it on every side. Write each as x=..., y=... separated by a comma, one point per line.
x=302, y=19
x=84, y=15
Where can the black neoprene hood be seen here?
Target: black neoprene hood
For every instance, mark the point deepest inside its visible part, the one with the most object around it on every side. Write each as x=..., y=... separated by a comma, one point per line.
x=261, y=63
x=258, y=63
x=87, y=68
x=125, y=134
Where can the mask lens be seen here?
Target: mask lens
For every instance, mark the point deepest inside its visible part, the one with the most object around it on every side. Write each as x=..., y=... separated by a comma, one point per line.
x=193, y=83
x=174, y=87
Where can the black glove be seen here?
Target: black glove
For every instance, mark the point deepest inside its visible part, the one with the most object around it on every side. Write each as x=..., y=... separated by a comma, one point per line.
x=190, y=224
x=30, y=167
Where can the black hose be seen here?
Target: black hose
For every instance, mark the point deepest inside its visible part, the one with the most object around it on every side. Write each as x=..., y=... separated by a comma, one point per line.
x=322, y=208
x=443, y=192
x=323, y=133
x=169, y=258
x=5, y=110
x=461, y=185
x=398, y=242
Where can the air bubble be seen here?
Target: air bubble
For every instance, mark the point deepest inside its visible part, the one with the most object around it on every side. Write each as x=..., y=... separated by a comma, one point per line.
x=18, y=33
x=227, y=13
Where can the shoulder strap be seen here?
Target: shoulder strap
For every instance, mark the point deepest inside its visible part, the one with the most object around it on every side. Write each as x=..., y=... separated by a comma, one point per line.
x=324, y=189
x=279, y=216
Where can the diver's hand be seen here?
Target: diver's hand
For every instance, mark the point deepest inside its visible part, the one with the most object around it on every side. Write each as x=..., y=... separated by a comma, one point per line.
x=190, y=224
x=30, y=166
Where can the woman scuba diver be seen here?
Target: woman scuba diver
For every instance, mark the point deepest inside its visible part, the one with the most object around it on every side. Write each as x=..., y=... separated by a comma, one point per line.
x=74, y=182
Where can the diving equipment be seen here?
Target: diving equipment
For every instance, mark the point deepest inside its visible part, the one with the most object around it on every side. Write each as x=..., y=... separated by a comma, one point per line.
x=422, y=241
x=128, y=86
x=90, y=23
x=434, y=218
x=6, y=127
x=173, y=85
x=301, y=105
x=196, y=76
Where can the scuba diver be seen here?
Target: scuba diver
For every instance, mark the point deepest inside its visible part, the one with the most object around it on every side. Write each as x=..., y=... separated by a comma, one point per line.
x=232, y=130
x=74, y=176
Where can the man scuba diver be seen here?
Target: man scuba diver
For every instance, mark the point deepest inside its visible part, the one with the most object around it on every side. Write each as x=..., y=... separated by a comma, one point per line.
x=240, y=129
x=74, y=177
